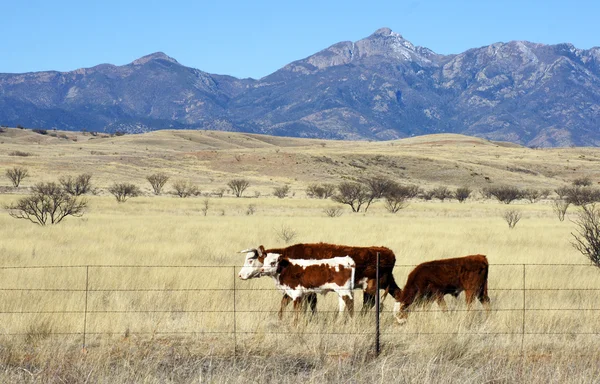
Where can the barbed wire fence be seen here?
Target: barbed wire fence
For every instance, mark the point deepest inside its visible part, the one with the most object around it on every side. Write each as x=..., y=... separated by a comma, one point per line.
x=88, y=300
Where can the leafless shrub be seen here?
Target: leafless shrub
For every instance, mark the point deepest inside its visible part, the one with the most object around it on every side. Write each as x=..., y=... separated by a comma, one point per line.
x=124, y=191
x=77, y=186
x=320, y=191
x=282, y=191
x=426, y=194
x=505, y=193
x=157, y=181
x=219, y=192
x=352, y=194
x=16, y=175
x=205, y=205
x=251, y=209
x=20, y=153
x=582, y=195
x=462, y=194
x=286, y=233
x=238, y=186
x=582, y=182
x=378, y=187
x=511, y=217
x=562, y=192
x=49, y=204
x=442, y=193
x=586, y=239
x=256, y=194
x=185, y=188
x=333, y=211
x=559, y=206
x=394, y=203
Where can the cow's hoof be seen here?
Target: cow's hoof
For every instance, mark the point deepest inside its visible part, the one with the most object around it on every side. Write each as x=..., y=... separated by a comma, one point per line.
x=401, y=321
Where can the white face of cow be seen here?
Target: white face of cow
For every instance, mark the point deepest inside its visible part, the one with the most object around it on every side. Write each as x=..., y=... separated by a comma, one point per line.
x=252, y=264
x=270, y=264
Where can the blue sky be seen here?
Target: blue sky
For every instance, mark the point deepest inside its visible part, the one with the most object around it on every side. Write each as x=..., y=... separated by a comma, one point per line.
x=255, y=38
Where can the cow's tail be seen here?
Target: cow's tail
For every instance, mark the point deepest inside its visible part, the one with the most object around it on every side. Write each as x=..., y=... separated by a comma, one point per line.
x=483, y=294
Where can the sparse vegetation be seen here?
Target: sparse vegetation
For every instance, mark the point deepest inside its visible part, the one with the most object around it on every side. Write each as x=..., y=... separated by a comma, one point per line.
x=462, y=194
x=157, y=181
x=185, y=188
x=78, y=185
x=320, y=191
x=333, y=211
x=238, y=186
x=20, y=153
x=441, y=193
x=560, y=206
x=378, y=187
x=286, y=233
x=582, y=182
x=49, y=203
x=16, y=175
x=512, y=217
x=586, y=239
x=581, y=196
x=205, y=206
x=352, y=194
x=251, y=209
x=534, y=195
x=505, y=193
x=123, y=191
x=282, y=191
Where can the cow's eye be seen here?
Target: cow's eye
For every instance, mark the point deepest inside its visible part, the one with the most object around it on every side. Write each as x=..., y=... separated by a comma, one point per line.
x=251, y=261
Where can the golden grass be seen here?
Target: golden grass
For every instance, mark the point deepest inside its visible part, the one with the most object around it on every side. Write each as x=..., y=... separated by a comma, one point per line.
x=147, y=323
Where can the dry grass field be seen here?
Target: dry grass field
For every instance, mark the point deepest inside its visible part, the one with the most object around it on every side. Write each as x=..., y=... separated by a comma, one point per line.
x=152, y=279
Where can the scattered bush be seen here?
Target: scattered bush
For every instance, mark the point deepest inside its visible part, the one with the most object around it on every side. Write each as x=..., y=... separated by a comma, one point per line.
x=333, y=211
x=582, y=195
x=282, y=191
x=157, y=181
x=562, y=192
x=238, y=186
x=442, y=193
x=462, y=194
x=352, y=194
x=77, y=186
x=505, y=194
x=286, y=233
x=559, y=206
x=48, y=204
x=533, y=195
x=582, y=182
x=19, y=153
x=124, y=191
x=16, y=175
x=205, y=205
x=185, y=188
x=587, y=236
x=512, y=217
x=251, y=209
x=41, y=131
x=320, y=191
x=378, y=187
x=219, y=192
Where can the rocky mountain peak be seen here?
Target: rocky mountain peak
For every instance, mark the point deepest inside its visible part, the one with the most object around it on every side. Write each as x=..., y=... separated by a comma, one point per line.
x=154, y=56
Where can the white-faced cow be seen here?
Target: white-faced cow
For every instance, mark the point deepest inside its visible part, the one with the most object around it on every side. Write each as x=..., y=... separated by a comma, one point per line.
x=364, y=257
x=298, y=277
x=432, y=280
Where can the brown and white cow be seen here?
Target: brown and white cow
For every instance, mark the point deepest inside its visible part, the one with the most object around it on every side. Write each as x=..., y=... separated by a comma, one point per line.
x=432, y=280
x=364, y=257
x=299, y=277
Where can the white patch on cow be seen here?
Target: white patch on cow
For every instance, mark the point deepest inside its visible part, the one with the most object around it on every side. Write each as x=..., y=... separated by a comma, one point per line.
x=252, y=265
x=336, y=262
x=396, y=308
x=362, y=283
x=342, y=304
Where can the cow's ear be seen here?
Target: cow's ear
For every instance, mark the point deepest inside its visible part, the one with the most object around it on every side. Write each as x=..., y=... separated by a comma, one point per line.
x=261, y=250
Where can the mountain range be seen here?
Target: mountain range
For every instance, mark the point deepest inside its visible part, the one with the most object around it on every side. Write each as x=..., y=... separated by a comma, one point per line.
x=378, y=88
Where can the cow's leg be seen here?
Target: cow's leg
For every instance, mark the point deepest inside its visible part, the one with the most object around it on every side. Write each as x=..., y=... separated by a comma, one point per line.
x=311, y=300
x=439, y=298
x=285, y=300
x=369, y=296
x=470, y=296
x=297, y=306
x=349, y=304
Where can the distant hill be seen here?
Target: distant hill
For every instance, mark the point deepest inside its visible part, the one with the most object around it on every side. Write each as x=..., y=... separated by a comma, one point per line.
x=378, y=88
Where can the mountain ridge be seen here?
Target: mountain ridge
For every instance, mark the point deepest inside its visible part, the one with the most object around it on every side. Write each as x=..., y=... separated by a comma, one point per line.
x=378, y=88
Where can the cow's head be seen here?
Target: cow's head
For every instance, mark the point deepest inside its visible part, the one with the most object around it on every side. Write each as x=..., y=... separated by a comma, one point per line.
x=253, y=263
x=272, y=264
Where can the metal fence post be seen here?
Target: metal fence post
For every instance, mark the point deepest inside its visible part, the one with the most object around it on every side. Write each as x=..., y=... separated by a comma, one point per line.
x=87, y=280
x=377, y=307
x=524, y=309
x=234, y=317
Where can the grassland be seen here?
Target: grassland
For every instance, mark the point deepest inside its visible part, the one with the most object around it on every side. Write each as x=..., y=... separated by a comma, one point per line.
x=152, y=324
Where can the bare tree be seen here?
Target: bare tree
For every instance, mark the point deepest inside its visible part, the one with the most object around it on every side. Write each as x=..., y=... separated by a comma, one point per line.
x=352, y=194
x=157, y=181
x=333, y=211
x=286, y=233
x=512, y=217
x=77, y=186
x=49, y=204
x=238, y=186
x=505, y=193
x=562, y=192
x=282, y=191
x=185, y=188
x=582, y=195
x=559, y=206
x=586, y=239
x=462, y=194
x=205, y=205
x=378, y=187
x=320, y=191
x=123, y=191
x=16, y=175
